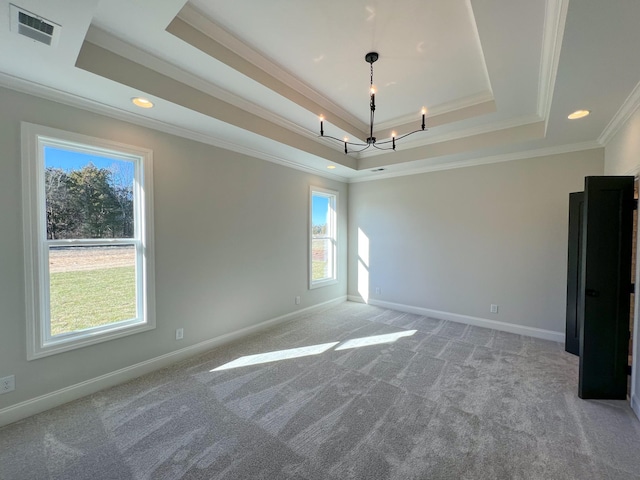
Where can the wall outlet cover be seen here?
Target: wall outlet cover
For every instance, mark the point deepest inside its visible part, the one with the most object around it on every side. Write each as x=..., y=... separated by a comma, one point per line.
x=7, y=384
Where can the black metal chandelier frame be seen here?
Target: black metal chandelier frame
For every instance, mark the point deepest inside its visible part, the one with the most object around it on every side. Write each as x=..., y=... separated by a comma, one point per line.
x=371, y=58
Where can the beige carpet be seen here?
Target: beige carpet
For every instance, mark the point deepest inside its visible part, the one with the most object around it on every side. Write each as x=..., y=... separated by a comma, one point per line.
x=434, y=400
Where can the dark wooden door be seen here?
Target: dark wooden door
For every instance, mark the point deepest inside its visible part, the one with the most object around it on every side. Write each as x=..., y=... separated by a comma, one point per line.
x=574, y=272
x=603, y=302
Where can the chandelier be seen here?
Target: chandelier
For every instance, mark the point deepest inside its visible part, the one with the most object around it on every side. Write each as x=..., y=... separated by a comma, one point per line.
x=370, y=58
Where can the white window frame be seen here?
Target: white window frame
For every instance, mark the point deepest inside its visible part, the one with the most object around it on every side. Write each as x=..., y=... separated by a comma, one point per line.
x=332, y=235
x=40, y=343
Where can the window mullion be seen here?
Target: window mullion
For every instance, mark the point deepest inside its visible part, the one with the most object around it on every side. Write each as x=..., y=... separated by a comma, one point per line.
x=91, y=242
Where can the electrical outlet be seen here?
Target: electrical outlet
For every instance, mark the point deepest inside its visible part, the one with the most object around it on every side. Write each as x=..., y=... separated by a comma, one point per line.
x=179, y=333
x=494, y=308
x=7, y=384
x=378, y=291
x=298, y=300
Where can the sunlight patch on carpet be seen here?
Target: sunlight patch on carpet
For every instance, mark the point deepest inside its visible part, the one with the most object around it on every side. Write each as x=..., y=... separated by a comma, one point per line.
x=276, y=356
x=375, y=340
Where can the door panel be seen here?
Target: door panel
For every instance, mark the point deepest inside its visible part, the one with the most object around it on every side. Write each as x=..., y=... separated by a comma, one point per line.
x=603, y=298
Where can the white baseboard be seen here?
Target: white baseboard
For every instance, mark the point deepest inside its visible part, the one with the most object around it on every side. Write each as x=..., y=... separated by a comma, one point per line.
x=466, y=319
x=39, y=404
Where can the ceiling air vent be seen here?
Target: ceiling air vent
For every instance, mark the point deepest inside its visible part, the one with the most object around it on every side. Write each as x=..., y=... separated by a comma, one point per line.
x=35, y=27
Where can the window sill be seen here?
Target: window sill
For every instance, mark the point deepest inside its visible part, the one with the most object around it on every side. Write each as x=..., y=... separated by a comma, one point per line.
x=323, y=283
x=60, y=345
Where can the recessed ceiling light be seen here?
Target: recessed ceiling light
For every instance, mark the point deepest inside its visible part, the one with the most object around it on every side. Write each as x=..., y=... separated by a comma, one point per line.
x=579, y=114
x=331, y=167
x=142, y=102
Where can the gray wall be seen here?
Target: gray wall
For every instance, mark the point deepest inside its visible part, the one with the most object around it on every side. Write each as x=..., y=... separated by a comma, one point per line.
x=230, y=239
x=622, y=153
x=459, y=240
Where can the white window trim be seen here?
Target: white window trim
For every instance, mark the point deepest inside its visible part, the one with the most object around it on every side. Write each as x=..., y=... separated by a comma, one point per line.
x=333, y=227
x=39, y=342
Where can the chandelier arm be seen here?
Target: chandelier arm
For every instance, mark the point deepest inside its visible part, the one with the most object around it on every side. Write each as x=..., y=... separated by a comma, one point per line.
x=400, y=138
x=342, y=141
x=410, y=133
x=362, y=149
x=375, y=145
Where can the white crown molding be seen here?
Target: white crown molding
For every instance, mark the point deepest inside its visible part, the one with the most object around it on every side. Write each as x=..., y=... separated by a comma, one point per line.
x=44, y=402
x=554, y=23
x=459, y=134
x=628, y=108
x=474, y=25
x=65, y=98
x=506, y=157
x=200, y=22
x=458, y=104
x=466, y=319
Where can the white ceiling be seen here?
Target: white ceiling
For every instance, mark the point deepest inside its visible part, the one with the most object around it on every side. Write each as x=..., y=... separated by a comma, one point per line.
x=498, y=76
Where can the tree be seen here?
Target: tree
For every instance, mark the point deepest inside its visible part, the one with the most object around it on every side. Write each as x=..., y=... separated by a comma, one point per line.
x=93, y=195
x=123, y=188
x=62, y=216
x=87, y=203
x=319, y=230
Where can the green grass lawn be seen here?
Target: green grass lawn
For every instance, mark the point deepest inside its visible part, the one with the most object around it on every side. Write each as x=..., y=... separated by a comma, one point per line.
x=318, y=269
x=90, y=298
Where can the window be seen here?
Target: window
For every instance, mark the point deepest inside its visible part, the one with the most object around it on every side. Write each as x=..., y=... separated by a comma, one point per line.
x=87, y=215
x=323, y=237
